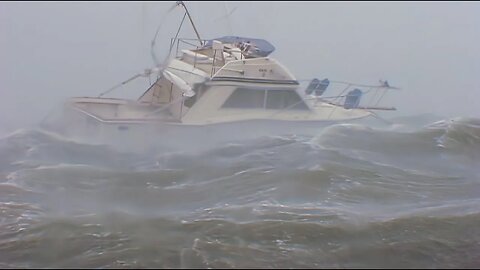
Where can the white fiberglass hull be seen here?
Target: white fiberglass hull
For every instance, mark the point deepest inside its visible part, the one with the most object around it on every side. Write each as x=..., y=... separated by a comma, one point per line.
x=141, y=136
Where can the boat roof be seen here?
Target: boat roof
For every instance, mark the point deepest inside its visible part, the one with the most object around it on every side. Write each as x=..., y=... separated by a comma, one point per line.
x=259, y=47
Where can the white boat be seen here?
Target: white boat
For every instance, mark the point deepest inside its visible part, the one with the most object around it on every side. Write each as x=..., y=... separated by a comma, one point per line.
x=214, y=91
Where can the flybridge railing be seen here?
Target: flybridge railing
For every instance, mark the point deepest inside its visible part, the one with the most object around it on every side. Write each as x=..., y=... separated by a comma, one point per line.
x=193, y=44
x=359, y=96
x=186, y=43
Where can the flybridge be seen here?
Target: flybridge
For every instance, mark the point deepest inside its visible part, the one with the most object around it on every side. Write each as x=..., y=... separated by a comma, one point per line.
x=252, y=47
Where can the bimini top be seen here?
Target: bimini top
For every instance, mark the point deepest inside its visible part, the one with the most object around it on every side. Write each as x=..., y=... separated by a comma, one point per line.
x=253, y=47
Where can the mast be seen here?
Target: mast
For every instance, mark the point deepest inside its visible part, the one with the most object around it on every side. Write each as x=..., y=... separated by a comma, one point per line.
x=191, y=21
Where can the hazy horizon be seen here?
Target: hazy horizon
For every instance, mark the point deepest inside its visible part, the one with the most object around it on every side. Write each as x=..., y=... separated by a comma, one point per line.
x=53, y=50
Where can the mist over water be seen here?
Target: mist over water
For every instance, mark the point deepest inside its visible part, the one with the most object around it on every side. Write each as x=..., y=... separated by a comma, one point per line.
x=351, y=196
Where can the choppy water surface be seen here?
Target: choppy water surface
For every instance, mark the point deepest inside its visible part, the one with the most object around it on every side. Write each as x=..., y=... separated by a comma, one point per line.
x=350, y=197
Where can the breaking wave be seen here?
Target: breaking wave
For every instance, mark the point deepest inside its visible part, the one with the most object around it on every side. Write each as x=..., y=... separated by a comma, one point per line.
x=350, y=197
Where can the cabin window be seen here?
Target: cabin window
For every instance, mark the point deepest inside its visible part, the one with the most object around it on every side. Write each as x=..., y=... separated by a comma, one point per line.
x=284, y=99
x=244, y=98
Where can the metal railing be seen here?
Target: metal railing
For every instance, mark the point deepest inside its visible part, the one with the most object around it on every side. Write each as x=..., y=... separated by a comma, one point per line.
x=186, y=43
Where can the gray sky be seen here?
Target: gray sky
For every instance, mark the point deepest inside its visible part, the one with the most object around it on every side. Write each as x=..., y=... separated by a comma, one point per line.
x=52, y=50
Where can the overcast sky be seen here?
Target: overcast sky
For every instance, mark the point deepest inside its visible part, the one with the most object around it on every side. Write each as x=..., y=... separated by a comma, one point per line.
x=52, y=50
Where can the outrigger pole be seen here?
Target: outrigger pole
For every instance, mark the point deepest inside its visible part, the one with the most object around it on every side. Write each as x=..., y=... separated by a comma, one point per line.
x=191, y=21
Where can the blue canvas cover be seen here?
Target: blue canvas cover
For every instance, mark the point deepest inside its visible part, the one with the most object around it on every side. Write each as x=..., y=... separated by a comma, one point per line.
x=352, y=100
x=317, y=87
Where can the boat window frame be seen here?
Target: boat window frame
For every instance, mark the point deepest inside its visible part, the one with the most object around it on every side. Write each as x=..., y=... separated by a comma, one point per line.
x=298, y=105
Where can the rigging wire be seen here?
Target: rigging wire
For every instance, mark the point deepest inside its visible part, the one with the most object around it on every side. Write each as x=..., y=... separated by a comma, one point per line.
x=152, y=44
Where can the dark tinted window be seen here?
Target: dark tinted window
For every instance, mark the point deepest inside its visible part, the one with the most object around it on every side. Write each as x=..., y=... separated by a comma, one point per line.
x=245, y=98
x=255, y=99
x=284, y=99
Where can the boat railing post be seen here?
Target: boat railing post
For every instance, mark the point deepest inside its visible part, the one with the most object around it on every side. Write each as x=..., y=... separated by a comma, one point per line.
x=181, y=107
x=195, y=59
x=213, y=62
x=178, y=43
x=265, y=96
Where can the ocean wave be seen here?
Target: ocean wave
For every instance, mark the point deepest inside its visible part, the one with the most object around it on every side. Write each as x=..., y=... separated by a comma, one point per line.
x=33, y=148
x=353, y=196
x=456, y=136
x=119, y=240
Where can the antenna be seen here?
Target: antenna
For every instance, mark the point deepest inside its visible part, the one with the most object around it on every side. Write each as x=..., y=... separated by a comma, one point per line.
x=191, y=21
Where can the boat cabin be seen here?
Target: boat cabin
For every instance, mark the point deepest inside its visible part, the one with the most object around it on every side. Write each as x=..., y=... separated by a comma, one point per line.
x=228, y=78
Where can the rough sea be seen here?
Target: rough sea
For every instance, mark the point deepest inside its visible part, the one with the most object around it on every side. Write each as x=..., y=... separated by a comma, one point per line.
x=353, y=196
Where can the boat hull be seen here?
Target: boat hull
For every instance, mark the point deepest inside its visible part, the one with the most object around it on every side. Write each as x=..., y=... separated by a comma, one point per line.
x=138, y=136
